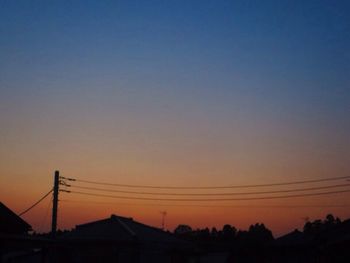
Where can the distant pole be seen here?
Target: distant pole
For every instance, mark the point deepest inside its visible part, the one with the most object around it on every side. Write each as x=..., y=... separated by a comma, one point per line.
x=55, y=203
x=163, y=219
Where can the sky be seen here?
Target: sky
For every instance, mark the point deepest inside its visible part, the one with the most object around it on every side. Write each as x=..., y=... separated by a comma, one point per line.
x=178, y=93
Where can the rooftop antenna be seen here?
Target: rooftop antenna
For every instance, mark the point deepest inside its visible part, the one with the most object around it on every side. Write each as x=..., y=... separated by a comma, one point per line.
x=164, y=213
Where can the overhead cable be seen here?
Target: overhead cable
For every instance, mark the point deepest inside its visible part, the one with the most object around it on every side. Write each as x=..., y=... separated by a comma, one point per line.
x=201, y=205
x=212, y=187
x=212, y=194
x=211, y=199
x=36, y=203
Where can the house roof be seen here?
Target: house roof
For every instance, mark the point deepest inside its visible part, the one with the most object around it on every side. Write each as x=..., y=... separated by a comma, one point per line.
x=334, y=235
x=295, y=238
x=10, y=223
x=123, y=229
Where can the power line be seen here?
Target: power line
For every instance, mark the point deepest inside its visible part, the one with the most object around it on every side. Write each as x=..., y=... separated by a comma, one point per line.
x=32, y=206
x=216, y=199
x=212, y=194
x=212, y=187
x=196, y=205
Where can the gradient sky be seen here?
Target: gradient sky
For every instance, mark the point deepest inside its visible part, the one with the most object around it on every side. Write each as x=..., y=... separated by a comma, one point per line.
x=174, y=93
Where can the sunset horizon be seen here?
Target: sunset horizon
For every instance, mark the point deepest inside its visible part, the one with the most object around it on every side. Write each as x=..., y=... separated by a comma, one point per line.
x=258, y=204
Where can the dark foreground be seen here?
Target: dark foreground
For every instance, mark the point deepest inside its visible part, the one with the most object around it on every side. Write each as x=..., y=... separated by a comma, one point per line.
x=121, y=239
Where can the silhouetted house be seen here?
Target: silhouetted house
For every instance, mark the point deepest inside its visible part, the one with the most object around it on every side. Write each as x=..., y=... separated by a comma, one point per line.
x=10, y=223
x=121, y=239
x=293, y=239
x=293, y=247
x=328, y=245
x=14, y=238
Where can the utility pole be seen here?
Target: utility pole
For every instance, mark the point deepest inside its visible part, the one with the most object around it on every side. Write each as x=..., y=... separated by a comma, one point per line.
x=164, y=213
x=55, y=203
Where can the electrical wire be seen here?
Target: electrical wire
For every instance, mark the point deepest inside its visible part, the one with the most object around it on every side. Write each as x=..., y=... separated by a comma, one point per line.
x=212, y=194
x=36, y=203
x=212, y=199
x=196, y=205
x=212, y=187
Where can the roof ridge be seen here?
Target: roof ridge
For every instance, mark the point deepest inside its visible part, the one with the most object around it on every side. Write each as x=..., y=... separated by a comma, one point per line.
x=15, y=216
x=125, y=226
x=141, y=224
x=92, y=223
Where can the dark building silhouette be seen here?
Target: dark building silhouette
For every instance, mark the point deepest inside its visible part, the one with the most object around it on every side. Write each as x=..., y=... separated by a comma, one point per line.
x=121, y=239
x=10, y=223
x=15, y=241
x=321, y=241
x=295, y=239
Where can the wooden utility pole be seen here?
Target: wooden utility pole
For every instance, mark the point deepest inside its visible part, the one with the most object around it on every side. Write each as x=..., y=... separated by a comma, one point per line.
x=55, y=203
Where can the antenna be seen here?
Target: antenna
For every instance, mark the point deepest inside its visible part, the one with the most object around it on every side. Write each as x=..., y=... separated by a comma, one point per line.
x=164, y=213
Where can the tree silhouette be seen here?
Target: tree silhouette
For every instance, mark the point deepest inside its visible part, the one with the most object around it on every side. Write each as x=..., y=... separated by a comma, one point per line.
x=228, y=232
x=317, y=227
x=183, y=230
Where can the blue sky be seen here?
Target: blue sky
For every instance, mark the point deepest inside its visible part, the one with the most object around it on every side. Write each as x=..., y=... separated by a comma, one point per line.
x=288, y=51
x=281, y=62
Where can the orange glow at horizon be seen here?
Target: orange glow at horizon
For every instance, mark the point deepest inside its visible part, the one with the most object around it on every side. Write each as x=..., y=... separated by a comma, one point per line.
x=281, y=215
